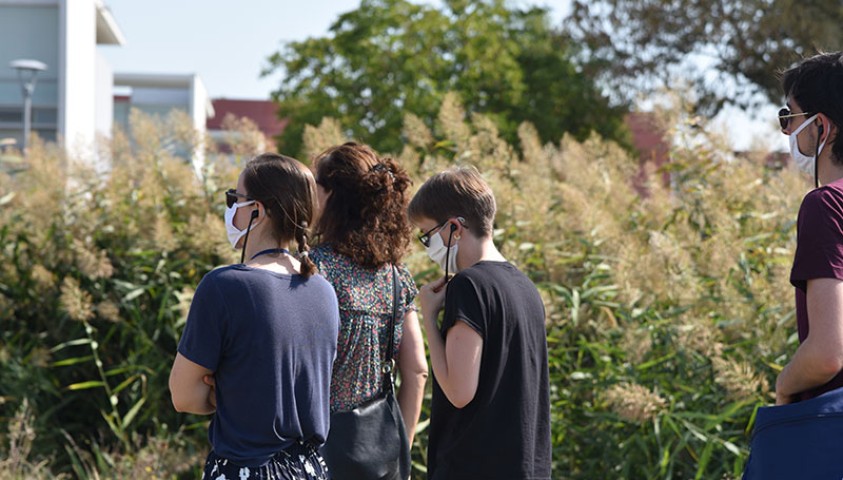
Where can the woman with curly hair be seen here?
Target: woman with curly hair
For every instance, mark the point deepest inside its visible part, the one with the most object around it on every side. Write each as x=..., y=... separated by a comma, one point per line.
x=363, y=231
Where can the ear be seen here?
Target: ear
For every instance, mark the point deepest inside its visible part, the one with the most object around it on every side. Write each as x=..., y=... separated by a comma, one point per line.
x=825, y=127
x=456, y=228
x=258, y=212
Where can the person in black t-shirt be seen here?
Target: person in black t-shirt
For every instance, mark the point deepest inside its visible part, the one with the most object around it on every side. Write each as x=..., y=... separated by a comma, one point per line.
x=490, y=416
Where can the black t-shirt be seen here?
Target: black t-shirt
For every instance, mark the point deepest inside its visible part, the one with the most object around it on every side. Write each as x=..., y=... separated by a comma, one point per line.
x=504, y=432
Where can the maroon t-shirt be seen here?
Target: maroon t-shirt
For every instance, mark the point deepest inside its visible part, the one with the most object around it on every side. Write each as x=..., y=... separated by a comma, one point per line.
x=819, y=254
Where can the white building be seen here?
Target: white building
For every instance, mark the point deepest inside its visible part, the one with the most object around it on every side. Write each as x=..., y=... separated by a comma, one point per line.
x=73, y=98
x=159, y=94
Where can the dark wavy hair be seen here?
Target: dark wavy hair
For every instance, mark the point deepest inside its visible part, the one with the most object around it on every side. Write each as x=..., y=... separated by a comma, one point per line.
x=816, y=83
x=287, y=191
x=365, y=216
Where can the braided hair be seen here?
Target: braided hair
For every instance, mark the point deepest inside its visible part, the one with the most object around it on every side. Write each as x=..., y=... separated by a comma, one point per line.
x=287, y=191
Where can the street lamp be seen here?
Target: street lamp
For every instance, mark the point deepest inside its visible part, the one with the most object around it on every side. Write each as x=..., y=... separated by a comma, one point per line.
x=27, y=71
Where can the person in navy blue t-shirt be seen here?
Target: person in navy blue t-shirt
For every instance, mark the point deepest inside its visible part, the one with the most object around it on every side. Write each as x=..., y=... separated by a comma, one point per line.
x=261, y=336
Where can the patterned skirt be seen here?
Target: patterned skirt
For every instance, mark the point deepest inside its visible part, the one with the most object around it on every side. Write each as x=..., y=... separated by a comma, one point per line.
x=298, y=462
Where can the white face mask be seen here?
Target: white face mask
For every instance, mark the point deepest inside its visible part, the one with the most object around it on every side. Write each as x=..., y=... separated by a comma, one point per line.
x=803, y=162
x=445, y=257
x=234, y=233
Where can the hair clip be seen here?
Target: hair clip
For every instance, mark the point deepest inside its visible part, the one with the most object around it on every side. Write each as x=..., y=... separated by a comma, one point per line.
x=380, y=167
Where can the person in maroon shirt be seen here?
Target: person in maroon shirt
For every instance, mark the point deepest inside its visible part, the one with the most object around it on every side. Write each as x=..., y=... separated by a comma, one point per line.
x=813, y=119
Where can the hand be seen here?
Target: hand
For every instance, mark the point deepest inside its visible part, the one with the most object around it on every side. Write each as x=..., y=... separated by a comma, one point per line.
x=211, y=382
x=432, y=298
x=782, y=399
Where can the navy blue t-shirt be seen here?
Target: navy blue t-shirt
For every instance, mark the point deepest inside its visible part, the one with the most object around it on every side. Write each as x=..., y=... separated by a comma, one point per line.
x=270, y=340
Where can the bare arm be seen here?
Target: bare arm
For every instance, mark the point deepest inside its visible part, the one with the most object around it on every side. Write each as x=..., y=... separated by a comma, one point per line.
x=412, y=364
x=190, y=393
x=456, y=359
x=820, y=357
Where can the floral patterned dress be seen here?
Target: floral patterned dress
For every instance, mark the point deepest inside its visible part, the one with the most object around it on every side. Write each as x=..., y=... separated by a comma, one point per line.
x=365, y=301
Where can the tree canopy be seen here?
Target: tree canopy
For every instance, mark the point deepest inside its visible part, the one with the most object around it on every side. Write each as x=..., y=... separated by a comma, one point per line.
x=388, y=58
x=730, y=50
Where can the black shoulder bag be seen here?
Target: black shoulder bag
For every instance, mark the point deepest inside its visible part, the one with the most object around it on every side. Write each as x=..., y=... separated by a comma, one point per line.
x=370, y=442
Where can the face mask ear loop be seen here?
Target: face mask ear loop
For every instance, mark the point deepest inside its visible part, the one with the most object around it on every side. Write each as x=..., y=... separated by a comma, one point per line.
x=246, y=239
x=817, y=159
x=448, y=254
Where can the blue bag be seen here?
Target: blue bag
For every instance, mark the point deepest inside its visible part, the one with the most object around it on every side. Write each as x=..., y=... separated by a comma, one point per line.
x=799, y=440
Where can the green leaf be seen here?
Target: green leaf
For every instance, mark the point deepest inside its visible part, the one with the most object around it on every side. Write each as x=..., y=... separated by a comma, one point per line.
x=702, y=463
x=732, y=448
x=133, y=294
x=130, y=415
x=73, y=361
x=125, y=383
x=86, y=385
x=71, y=343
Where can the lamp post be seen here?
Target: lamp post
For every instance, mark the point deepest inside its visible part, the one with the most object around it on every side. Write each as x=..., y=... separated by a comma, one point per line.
x=27, y=73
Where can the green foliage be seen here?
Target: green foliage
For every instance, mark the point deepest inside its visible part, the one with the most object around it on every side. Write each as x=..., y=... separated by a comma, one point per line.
x=669, y=313
x=97, y=271
x=391, y=57
x=665, y=312
x=727, y=49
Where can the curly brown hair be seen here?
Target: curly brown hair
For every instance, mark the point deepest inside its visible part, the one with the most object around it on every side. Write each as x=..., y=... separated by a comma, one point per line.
x=364, y=218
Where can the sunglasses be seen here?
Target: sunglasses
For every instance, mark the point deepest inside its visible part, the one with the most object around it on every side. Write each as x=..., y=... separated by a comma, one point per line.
x=424, y=238
x=785, y=116
x=231, y=196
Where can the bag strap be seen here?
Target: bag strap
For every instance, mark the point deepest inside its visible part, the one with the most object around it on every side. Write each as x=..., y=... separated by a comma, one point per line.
x=388, y=364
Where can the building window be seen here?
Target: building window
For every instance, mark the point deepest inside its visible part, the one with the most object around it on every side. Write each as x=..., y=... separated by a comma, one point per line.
x=45, y=116
x=11, y=115
x=44, y=122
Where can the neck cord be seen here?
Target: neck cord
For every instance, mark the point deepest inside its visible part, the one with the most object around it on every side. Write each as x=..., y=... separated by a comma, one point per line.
x=246, y=240
x=269, y=251
x=816, y=162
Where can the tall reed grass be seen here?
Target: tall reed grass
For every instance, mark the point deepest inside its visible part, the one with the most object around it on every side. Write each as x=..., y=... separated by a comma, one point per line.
x=668, y=314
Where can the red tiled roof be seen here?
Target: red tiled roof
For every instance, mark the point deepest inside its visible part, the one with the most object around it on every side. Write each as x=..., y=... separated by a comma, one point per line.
x=648, y=137
x=262, y=112
x=651, y=141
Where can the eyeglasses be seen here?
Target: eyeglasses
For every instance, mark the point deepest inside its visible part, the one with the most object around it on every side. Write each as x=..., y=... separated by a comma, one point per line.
x=424, y=238
x=231, y=196
x=785, y=116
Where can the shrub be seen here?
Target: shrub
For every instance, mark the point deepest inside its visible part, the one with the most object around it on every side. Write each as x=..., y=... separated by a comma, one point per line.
x=668, y=314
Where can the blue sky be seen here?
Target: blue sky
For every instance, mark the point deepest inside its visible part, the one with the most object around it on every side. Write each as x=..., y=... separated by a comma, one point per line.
x=227, y=44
